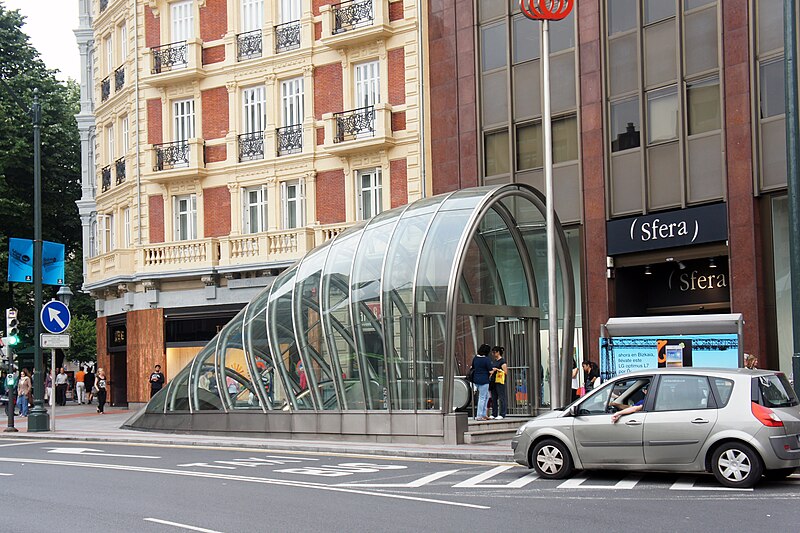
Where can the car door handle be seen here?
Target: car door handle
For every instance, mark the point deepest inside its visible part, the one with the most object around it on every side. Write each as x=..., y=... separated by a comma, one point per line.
x=699, y=421
x=633, y=423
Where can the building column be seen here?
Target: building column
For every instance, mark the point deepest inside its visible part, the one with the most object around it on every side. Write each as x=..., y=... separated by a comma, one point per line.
x=145, y=346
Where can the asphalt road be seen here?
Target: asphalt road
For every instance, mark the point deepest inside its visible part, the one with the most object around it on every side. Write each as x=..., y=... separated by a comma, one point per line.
x=59, y=486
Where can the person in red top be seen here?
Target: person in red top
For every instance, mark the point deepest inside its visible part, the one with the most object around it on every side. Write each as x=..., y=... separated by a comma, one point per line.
x=80, y=386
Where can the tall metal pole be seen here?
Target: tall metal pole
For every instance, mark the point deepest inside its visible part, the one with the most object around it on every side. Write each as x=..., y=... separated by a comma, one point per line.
x=792, y=152
x=38, y=419
x=552, y=297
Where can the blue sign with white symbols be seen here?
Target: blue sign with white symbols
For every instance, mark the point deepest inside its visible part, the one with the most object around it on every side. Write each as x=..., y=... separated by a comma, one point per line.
x=55, y=316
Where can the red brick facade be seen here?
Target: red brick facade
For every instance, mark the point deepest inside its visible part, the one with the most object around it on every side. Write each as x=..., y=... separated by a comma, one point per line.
x=399, y=121
x=214, y=54
x=155, y=208
x=152, y=29
x=316, y=4
x=215, y=113
x=397, y=76
x=395, y=11
x=217, y=211
x=317, y=31
x=328, y=89
x=330, y=197
x=213, y=20
x=154, y=121
x=216, y=153
x=320, y=136
x=398, y=171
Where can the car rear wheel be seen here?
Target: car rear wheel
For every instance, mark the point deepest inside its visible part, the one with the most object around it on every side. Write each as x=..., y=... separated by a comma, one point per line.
x=551, y=459
x=736, y=465
x=779, y=473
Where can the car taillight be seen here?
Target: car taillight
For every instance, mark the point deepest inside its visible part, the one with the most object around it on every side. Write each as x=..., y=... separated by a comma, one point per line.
x=766, y=416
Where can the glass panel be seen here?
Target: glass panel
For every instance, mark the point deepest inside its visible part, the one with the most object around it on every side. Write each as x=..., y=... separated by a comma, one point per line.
x=660, y=43
x=700, y=38
x=205, y=391
x=724, y=389
x=527, y=90
x=773, y=91
x=691, y=4
x=773, y=153
x=259, y=355
x=526, y=39
x=178, y=392
x=156, y=403
x=562, y=87
x=621, y=15
x=506, y=260
x=625, y=125
x=623, y=74
x=466, y=198
x=496, y=153
x=770, y=25
x=703, y=106
x=705, y=168
x=655, y=10
x=235, y=370
x=493, y=46
x=664, y=177
x=565, y=139
x=489, y=9
x=681, y=393
x=562, y=33
x=495, y=98
x=783, y=281
x=529, y=146
x=662, y=115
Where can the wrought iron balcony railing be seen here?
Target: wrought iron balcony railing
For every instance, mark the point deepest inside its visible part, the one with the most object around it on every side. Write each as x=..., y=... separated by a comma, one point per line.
x=354, y=124
x=289, y=139
x=248, y=45
x=352, y=14
x=106, y=173
x=170, y=56
x=103, y=5
x=287, y=36
x=119, y=167
x=171, y=155
x=105, y=89
x=251, y=146
x=119, y=78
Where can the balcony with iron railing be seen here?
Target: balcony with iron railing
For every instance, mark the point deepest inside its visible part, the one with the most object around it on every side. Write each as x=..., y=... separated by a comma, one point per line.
x=251, y=146
x=249, y=45
x=119, y=168
x=179, y=61
x=105, y=174
x=289, y=139
x=119, y=78
x=178, y=158
x=287, y=36
x=355, y=21
x=105, y=89
x=359, y=129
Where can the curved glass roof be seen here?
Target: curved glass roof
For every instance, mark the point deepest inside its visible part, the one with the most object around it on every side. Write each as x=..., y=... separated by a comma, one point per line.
x=385, y=315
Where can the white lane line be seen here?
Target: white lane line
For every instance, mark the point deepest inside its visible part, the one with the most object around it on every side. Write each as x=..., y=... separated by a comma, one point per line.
x=182, y=526
x=478, y=481
x=577, y=483
x=687, y=483
x=100, y=453
x=18, y=443
x=3, y=474
x=216, y=475
x=413, y=484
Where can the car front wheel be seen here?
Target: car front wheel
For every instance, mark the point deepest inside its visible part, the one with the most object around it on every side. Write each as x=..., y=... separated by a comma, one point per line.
x=551, y=459
x=736, y=465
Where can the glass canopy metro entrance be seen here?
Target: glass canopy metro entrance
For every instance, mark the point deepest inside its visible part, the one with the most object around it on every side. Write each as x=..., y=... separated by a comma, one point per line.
x=366, y=337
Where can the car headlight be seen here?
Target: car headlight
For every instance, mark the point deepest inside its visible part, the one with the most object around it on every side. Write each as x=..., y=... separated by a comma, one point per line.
x=520, y=430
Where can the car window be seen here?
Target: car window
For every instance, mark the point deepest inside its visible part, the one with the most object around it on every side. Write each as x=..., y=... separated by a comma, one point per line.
x=724, y=388
x=615, y=396
x=595, y=404
x=776, y=391
x=679, y=393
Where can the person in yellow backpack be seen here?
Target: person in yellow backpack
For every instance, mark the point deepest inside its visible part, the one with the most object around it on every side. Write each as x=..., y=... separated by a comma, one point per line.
x=499, y=378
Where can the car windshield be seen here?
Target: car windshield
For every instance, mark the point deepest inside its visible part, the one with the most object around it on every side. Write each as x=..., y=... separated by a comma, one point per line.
x=776, y=391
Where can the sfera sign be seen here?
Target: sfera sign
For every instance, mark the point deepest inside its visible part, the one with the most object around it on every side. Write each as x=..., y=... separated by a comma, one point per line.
x=695, y=225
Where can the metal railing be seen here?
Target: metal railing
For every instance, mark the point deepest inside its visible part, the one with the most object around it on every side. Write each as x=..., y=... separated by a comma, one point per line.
x=119, y=168
x=170, y=56
x=249, y=45
x=287, y=36
x=171, y=155
x=119, y=78
x=251, y=146
x=354, y=124
x=105, y=89
x=106, y=173
x=289, y=139
x=351, y=15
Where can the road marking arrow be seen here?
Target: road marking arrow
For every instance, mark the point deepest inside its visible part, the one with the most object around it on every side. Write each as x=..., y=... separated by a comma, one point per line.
x=55, y=317
x=101, y=453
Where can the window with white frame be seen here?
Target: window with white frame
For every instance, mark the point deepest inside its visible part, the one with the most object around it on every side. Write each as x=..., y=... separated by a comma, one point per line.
x=293, y=204
x=370, y=199
x=252, y=15
x=123, y=41
x=292, y=101
x=126, y=227
x=367, y=84
x=182, y=21
x=108, y=44
x=254, y=109
x=110, y=144
x=105, y=233
x=125, y=135
x=185, y=214
x=290, y=11
x=93, y=248
x=183, y=120
x=255, y=209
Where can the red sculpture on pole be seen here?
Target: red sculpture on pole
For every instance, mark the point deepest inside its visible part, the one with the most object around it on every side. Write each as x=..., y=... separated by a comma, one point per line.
x=546, y=9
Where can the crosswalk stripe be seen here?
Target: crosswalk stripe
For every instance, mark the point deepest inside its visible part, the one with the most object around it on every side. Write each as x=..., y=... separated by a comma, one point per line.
x=687, y=483
x=413, y=484
x=577, y=483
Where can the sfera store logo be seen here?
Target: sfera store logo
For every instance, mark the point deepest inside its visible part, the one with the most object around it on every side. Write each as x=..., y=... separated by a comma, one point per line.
x=652, y=230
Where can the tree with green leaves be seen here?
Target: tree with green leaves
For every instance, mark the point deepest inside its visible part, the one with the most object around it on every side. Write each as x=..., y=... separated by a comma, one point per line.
x=22, y=71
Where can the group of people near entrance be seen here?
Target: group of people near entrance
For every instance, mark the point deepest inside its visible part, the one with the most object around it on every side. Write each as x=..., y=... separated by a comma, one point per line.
x=490, y=375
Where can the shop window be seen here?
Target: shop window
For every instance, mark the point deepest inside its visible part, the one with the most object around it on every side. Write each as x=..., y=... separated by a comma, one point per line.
x=625, y=125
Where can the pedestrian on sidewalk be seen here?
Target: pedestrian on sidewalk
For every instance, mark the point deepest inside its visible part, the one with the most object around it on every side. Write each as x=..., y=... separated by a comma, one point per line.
x=23, y=391
x=499, y=375
x=48, y=387
x=156, y=381
x=481, y=367
x=80, y=386
x=100, y=385
x=61, y=387
x=88, y=384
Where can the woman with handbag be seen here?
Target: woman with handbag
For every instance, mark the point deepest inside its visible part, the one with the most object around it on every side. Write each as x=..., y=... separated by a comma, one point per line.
x=499, y=377
x=101, y=390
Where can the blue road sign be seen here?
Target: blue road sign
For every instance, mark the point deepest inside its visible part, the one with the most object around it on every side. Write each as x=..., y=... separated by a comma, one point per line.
x=55, y=316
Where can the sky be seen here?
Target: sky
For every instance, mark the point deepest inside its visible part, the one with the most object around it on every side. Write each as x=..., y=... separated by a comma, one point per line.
x=49, y=24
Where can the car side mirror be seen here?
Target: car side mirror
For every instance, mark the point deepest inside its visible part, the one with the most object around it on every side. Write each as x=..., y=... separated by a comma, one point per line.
x=573, y=410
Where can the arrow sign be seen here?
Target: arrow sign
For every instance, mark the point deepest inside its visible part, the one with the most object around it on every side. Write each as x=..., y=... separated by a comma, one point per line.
x=55, y=316
x=91, y=451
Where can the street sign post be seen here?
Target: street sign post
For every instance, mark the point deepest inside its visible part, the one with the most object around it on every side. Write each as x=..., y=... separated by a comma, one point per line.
x=55, y=317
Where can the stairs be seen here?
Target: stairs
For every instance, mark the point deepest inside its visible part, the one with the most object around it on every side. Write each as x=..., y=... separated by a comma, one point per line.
x=492, y=430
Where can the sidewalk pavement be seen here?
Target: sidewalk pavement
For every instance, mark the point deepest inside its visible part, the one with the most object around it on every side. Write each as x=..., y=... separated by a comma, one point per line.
x=76, y=422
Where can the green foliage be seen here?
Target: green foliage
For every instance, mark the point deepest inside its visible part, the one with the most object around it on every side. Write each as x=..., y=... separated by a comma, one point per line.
x=83, y=340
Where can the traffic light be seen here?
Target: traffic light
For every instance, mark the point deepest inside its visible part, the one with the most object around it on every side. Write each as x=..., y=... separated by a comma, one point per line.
x=12, y=328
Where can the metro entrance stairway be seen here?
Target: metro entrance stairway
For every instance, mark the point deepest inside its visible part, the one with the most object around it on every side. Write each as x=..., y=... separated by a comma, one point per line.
x=480, y=431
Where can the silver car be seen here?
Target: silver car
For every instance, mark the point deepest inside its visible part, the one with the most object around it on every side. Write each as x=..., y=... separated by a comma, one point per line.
x=738, y=424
